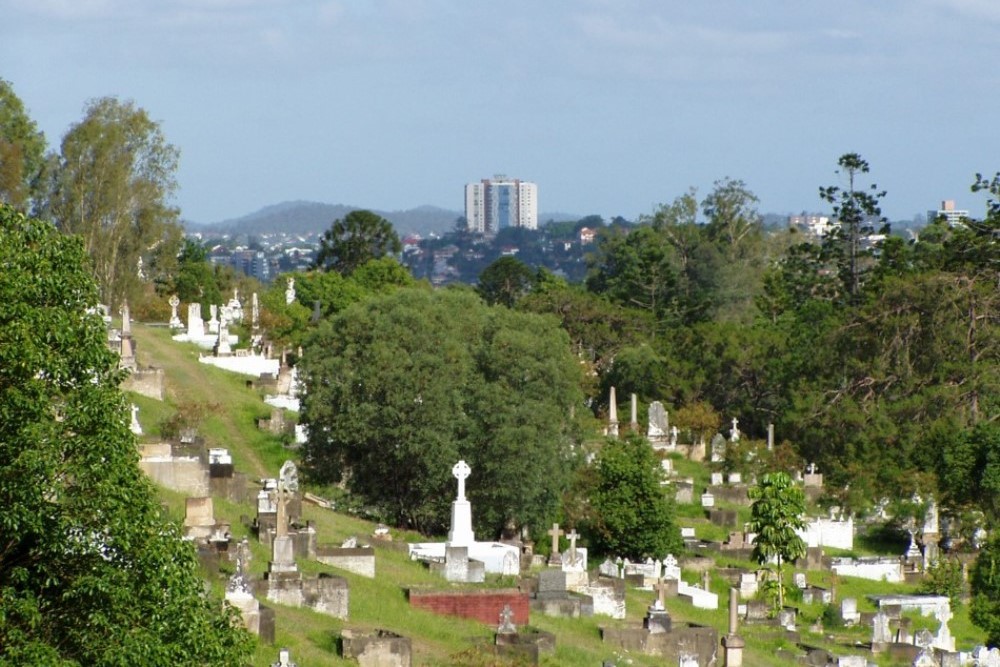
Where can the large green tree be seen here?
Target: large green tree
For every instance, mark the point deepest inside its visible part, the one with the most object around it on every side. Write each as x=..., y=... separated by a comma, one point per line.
x=630, y=514
x=985, y=584
x=90, y=572
x=112, y=186
x=22, y=152
x=400, y=387
x=354, y=239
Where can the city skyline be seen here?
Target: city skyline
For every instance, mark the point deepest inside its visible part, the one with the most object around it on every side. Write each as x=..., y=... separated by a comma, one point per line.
x=611, y=108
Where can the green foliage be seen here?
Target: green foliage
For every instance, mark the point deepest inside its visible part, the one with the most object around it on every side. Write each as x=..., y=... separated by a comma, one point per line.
x=89, y=571
x=944, y=577
x=112, y=184
x=400, y=387
x=22, y=153
x=985, y=583
x=195, y=279
x=505, y=281
x=777, y=511
x=631, y=514
x=354, y=239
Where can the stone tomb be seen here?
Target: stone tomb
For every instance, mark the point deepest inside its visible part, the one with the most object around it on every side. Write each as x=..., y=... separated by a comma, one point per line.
x=380, y=648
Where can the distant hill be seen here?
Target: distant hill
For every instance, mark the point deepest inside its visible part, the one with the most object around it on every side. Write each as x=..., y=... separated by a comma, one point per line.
x=302, y=217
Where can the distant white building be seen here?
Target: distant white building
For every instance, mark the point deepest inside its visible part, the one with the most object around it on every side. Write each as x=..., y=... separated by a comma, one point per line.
x=500, y=202
x=952, y=215
x=816, y=225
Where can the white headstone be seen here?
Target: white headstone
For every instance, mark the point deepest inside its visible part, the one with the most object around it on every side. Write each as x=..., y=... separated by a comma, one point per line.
x=175, y=322
x=196, y=325
x=288, y=476
x=461, y=533
x=707, y=500
x=734, y=433
x=716, y=479
x=880, y=629
x=135, y=427
x=671, y=570
x=657, y=427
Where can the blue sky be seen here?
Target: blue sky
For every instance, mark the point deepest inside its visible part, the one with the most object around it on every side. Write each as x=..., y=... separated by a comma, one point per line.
x=610, y=106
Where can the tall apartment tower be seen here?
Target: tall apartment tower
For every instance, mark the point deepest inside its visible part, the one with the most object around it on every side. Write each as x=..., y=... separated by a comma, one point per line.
x=500, y=202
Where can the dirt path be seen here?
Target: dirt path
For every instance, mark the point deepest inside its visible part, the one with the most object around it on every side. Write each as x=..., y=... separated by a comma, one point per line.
x=189, y=381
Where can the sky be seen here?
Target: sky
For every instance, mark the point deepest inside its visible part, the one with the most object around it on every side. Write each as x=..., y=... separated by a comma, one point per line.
x=611, y=106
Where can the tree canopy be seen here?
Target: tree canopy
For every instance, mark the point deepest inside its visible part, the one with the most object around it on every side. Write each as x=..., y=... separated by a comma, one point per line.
x=777, y=512
x=90, y=572
x=400, y=387
x=22, y=153
x=354, y=239
x=112, y=186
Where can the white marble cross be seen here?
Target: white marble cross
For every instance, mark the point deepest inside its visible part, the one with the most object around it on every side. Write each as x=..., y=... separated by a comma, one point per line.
x=811, y=469
x=461, y=471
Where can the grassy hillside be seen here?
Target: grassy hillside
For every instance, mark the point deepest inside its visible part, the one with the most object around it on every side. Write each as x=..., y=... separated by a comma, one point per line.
x=225, y=409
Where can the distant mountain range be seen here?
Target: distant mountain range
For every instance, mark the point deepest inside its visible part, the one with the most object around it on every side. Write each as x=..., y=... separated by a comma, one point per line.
x=303, y=217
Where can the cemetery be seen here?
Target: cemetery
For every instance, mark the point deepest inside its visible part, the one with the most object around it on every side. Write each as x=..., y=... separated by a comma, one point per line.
x=296, y=569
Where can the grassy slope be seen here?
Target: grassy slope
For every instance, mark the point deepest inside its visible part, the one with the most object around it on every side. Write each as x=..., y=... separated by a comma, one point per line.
x=381, y=603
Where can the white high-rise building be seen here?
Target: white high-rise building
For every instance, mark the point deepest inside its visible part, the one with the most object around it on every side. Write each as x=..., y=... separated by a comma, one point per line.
x=500, y=202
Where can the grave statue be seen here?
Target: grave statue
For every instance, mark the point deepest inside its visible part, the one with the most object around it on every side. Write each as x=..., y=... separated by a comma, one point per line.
x=734, y=433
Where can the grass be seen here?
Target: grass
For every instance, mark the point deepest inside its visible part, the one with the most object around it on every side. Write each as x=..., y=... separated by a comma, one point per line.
x=228, y=420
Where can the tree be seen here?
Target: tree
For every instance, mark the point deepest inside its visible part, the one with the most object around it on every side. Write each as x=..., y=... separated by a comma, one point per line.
x=400, y=387
x=354, y=239
x=733, y=220
x=114, y=178
x=90, y=572
x=856, y=210
x=22, y=152
x=195, y=279
x=985, y=583
x=631, y=515
x=776, y=513
x=505, y=281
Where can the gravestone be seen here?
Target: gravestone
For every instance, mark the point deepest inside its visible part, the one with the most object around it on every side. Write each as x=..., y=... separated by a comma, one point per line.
x=707, y=500
x=881, y=634
x=925, y=640
x=213, y=320
x=849, y=611
x=734, y=432
x=716, y=479
x=461, y=533
x=135, y=426
x=800, y=580
x=196, y=325
x=284, y=659
x=735, y=478
x=658, y=427
x=718, y=448
x=812, y=479
x=175, y=321
x=506, y=626
x=608, y=568
x=634, y=414
x=671, y=570
x=555, y=559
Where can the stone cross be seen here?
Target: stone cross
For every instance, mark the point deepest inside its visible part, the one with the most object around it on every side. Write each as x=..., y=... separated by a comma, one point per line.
x=674, y=432
x=461, y=472
x=555, y=533
x=572, y=536
x=734, y=434
x=811, y=469
x=507, y=626
x=280, y=499
x=661, y=593
x=174, y=301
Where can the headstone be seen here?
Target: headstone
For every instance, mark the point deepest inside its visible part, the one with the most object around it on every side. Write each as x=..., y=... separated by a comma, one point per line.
x=812, y=478
x=461, y=533
x=734, y=432
x=944, y=640
x=880, y=629
x=688, y=533
x=254, y=313
x=511, y=565
x=288, y=476
x=735, y=478
x=674, y=432
x=925, y=658
x=707, y=500
x=290, y=291
x=687, y=660
x=716, y=479
x=507, y=626
x=634, y=420
x=196, y=325
x=849, y=611
x=657, y=619
x=135, y=427
x=800, y=580
x=608, y=568
x=175, y=321
x=770, y=437
x=671, y=570
x=574, y=559
x=556, y=557
x=658, y=426
x=240, y=581
x=213, y=321
x=284, y=659
x=222, y=347
x=718, y=448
